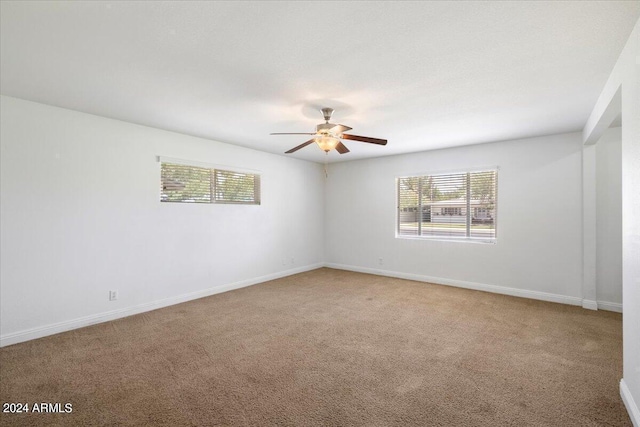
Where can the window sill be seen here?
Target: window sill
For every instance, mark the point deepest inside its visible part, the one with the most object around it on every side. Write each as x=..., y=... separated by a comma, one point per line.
x=454, y=240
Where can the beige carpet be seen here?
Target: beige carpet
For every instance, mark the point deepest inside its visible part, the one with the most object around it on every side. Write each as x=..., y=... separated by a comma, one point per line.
x=330, y=348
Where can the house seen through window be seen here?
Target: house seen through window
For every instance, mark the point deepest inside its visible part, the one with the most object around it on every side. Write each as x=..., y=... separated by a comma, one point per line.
x=456, y=206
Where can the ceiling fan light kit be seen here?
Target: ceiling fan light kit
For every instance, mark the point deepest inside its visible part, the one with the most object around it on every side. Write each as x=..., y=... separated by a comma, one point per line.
x=328, y=135
x=326, y=142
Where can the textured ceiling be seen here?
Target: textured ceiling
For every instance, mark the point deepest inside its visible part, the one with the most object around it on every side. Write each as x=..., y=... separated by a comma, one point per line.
x=423, y=75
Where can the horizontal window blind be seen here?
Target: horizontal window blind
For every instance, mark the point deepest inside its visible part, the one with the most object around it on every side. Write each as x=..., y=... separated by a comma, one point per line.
x=194, y=184
x=236, y=187
x=187, y=184
x=448, y=206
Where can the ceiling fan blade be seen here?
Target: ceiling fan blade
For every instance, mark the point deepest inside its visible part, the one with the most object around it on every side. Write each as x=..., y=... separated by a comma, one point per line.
x=365, y=139
x=304, y=144
x=340, y=148
x=338, y=129
x=286, y=133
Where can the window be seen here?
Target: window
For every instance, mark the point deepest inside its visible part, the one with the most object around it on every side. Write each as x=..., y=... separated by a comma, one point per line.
x=196, y=184
x=451, y=211
x=456, y=206
x=479, y=213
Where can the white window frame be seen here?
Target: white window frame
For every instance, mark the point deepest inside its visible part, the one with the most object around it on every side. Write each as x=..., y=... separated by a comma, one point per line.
x=469, y=210
x=214, y=170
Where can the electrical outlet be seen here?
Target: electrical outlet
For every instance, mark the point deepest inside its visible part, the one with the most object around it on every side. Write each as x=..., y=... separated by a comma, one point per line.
x=113, y=295
x=380, y=262
x=293, y=261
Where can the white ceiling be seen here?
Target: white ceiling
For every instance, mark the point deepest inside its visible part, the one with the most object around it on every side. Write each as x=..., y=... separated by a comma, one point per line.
x=423, y=75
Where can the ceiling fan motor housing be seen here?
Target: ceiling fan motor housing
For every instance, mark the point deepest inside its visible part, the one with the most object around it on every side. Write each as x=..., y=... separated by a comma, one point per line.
x=324, y=128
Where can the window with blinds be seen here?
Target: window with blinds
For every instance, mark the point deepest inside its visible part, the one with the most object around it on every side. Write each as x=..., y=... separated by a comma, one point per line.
x=194, y=184
x=456, y=206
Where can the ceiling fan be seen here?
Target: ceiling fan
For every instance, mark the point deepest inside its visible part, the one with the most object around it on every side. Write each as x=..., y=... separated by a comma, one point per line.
x=328, y=135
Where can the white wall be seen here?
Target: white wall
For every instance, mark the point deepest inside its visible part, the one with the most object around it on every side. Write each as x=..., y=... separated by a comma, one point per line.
x=609, y=220
x=539, y=248
x=80, y=215
x=625, y=80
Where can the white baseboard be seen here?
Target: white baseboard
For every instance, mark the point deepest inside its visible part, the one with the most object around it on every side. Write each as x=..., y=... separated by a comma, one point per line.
x=632, y=407
x=589, y=304
x=543, y=296
x=610, y=306
x=43, y=331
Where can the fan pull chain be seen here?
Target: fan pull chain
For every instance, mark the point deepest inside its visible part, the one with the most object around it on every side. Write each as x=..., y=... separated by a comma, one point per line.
x=326, y=161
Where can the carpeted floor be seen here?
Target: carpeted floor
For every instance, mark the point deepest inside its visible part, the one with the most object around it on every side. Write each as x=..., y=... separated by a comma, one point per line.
x=330, y=348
